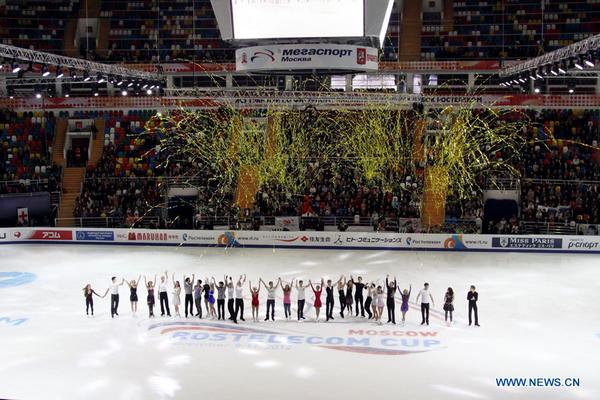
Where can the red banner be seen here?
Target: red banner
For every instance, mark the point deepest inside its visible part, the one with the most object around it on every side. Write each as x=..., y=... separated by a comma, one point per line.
x=47, y=234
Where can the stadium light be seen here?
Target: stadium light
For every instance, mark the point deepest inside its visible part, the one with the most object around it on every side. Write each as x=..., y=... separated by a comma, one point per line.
x=59, y=72
x=15, y=67
x=39, y=57
x=45, y=71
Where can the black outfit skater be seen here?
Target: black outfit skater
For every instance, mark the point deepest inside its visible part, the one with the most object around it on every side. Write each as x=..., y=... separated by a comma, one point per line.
x=342, y=298
x=368, y=302
x=391, y=303
x=358, y=297
x=448, y=306
x=89, y=301
x=329, y=303
x=231, y=306
x=472, y=297
x=348, y=299
x=150, y=301
x=133, y=294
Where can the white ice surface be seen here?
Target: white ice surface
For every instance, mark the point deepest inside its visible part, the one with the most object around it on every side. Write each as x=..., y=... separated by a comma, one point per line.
x=540, y=317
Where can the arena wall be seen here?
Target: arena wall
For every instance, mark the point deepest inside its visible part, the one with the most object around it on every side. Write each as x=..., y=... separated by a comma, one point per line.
x=305, y=239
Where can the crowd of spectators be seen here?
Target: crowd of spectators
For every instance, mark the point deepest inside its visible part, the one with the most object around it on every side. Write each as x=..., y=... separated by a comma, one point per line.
x=123, y=200
x=150, y=31
x=496, y=29
x=25, y=152
x=560, y=150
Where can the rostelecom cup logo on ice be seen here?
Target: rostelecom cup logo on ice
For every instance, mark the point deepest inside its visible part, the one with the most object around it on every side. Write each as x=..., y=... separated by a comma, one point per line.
x=354, y=340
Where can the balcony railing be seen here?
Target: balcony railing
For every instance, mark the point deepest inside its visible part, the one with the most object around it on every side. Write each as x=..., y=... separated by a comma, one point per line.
x=547, y=228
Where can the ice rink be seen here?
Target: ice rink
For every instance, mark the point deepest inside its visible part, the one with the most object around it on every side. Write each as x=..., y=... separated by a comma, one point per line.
x=539, y=316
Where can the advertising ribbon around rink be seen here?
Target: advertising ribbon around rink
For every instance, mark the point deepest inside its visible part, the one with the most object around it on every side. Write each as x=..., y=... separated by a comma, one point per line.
x=373, y=341
x=11, y=279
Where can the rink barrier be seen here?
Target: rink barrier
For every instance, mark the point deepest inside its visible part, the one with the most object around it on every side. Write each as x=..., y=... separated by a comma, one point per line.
x=304, y=239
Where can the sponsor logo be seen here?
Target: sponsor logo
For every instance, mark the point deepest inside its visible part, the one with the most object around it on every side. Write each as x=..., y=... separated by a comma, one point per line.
x=244, y=58
x=95, y=235
x=228, y=239
x=373, y=342
x=317, y=52
x=51, y=235
x=12, y=279
x=17, y=234
x=266, y=55
x=12, y=322
x=190, y=237
x=361, y=56
x=583, y=244
x=151, y=236
x=2, y=235
x=410, y=241
x=455, y=242
x=526, y=243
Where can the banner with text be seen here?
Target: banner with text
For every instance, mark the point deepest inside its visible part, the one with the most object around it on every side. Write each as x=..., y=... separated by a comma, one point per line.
x=305, y=239
x=306, y=57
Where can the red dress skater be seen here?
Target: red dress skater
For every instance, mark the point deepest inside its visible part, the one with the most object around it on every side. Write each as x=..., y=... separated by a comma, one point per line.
x=317, y=298
x=254, y=299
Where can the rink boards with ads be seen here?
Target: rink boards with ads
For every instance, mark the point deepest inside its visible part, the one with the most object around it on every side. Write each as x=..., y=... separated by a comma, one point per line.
x=305, y=239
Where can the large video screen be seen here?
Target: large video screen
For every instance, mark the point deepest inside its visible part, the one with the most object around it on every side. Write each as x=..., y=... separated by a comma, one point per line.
x=274, y=19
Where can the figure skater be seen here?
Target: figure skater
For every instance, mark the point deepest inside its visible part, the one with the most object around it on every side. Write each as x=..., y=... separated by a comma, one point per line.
x=230, y=300
x=340, y=286
x=472, y=297
x=287, y=300
x=374, y=304
x=405, y=297
x=317, y=292
x=220, y=298
x=348, y=297
x=162, y=294
x=211, y=301
x=239, y=298
x=206, y=289
x=198, y=298
x=88, y=292
x=448, y=305
x=301, y=298
x=114, y=296
x=133, y=297
x=176, y=296
x=425, y=297
x=358, y=295
x=150, y=297
x=369, y=305
x=188, y=287
x=254, y=291
x=391, y=301
x=379, y=304
x=270, y=298
x=330, y=298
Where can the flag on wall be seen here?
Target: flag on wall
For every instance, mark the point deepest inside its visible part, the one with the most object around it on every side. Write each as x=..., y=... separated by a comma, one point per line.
x=23, y=216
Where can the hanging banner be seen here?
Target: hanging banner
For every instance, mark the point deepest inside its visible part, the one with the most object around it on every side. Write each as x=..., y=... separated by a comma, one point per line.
x=307, y=57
